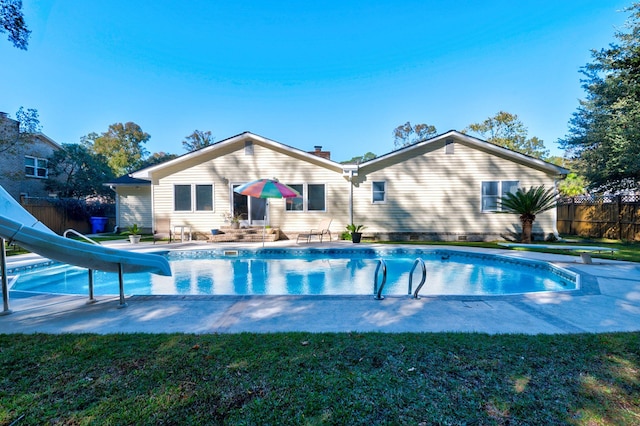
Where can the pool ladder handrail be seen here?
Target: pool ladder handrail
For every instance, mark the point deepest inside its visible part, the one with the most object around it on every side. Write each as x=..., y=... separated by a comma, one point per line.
x=90, y=271
x=378, y=291
x=417, y=262
x=78, y=234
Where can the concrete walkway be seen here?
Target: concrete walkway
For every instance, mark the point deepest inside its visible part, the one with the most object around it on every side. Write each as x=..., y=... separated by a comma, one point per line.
x=610, y=301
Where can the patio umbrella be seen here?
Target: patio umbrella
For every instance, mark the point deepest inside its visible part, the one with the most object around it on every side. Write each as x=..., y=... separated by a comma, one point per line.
x=266, y=188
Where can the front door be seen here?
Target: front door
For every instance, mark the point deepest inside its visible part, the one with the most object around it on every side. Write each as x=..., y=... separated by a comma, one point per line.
x=253, y=210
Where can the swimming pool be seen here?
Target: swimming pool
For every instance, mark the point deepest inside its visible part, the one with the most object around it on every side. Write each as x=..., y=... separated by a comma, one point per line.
x=313, y=272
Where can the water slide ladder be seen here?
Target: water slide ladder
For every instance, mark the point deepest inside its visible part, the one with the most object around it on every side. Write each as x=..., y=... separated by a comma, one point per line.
x=377, y=291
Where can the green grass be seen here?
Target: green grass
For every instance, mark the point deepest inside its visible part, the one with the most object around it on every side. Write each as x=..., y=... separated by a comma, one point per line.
x=312, y=379
x=628, y=251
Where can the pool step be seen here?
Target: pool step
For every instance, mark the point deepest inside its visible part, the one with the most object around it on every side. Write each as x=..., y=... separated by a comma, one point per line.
x=246, y=235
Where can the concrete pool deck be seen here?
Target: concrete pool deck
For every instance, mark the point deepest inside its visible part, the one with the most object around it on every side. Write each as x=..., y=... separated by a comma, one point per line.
x=610, y=302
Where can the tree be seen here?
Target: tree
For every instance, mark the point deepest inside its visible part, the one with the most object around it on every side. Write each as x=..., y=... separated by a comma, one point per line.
x=506, y=130
x=406, y=134
x=157, y=158
x=121, y=145
x=12, y=22
x=572, y=186
x=29, y=120
x=604, y=132
x=76, y=172
x=197, y=140
x=360, y=158
x=528, y=204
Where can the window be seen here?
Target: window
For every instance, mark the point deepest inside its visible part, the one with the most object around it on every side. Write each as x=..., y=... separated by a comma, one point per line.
x=378, y=192
x=182, y=198
x=315, y=197
x=204, y=198
x=493, y=190
x=295, y=204
x=184, y=194
x=35, y=167
x=312, y=198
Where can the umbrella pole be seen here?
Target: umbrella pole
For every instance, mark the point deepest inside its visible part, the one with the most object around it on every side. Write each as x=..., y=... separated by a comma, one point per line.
x=264, y=222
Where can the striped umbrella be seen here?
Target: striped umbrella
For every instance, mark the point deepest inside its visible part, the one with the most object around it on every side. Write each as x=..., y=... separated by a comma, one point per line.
x=266, y=188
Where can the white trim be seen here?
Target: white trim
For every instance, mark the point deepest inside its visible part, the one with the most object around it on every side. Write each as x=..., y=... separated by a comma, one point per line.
x=35, y=166
x=193, y=199
x=48, y=140
x=498, y=196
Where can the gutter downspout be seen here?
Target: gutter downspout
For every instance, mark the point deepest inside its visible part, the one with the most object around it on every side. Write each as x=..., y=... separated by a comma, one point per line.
x=117, y=198
x=349, y=171
x=350, y=196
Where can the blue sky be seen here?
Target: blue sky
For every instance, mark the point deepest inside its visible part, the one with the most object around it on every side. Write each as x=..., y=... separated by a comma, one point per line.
x=341, y=74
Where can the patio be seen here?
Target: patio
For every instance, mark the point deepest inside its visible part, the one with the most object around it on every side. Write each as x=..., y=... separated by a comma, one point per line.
x=612, y=303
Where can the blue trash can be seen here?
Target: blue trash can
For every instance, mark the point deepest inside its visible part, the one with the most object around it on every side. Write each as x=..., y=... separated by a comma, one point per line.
x=98, y=224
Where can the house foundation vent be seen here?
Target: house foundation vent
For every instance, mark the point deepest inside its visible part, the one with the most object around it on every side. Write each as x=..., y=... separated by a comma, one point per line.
x=462, y=238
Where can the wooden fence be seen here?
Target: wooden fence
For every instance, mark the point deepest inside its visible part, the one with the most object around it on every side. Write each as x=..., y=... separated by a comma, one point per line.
x=616, y=217
x=56, y=217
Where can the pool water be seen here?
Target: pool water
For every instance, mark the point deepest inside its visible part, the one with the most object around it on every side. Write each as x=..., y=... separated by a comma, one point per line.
x=313, y=272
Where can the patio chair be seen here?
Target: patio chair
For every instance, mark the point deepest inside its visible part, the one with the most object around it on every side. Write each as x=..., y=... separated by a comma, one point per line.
x=162, y=230
x=323, y=228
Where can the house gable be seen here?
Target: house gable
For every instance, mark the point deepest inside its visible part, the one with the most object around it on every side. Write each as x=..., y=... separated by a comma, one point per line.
x=447, y=143
x=238, y=145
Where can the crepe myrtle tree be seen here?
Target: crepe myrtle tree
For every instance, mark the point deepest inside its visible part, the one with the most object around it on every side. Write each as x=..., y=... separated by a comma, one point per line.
x=528, y=204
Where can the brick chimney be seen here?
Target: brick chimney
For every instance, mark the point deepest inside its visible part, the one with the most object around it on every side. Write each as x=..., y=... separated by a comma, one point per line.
x=320, y=153
x=8, y=128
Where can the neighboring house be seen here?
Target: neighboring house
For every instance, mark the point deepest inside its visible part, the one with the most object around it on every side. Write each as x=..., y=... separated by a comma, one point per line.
x=444, y=188
x=23, y=161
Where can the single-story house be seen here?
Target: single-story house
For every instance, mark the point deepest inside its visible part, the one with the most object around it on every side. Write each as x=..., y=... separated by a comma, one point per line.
x=443, y=188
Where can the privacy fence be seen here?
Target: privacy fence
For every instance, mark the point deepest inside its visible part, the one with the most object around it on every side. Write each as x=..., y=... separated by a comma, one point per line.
x=60, y=215
x=616, y=216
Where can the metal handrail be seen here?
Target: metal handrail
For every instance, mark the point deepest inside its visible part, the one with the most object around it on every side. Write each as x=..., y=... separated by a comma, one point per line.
x=378, y=291
x=420, y=262
x=76, y=233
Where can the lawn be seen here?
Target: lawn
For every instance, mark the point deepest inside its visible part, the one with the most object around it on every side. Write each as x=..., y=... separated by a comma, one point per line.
x=627, y=251
x=311, y=379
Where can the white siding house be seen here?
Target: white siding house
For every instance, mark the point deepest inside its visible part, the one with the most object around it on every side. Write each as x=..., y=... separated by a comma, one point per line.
x=443, y=188
x=446, y=188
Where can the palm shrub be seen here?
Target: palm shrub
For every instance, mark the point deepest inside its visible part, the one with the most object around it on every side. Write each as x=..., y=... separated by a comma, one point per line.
x=528, y=204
